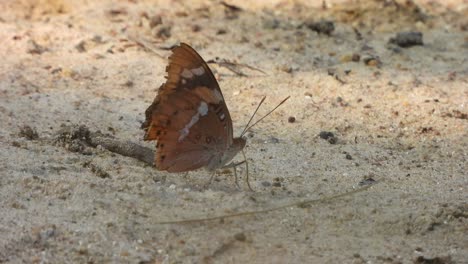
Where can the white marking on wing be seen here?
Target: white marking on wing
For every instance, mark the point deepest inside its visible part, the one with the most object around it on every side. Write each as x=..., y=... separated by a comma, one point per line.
x=202, y=111
x=203, y=108
x=198, y=71
x=186, y=74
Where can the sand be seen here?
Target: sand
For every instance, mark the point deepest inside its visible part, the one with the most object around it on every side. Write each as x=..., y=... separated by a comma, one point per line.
x=397, y=118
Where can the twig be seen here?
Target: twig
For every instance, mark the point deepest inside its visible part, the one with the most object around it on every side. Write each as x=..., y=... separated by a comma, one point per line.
x=124, y=148
x=277, y=208
x=232, y=66
x=77, y=138
x=145, y=44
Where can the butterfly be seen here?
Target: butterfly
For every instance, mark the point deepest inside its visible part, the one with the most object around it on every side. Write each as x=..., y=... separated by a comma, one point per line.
x=189, y=118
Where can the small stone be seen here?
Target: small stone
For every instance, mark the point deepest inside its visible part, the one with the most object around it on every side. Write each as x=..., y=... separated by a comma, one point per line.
x=240, y=237
x=97, y=39
x=196, y=28
x=164, y=32
x=28, y=133
x=80, y=47
x=221, y=32
x=291, y=119
x=372, y=61
x=407, y=39
x=367, y=181
x=155, y=21
x=322, y=27
x=435, y=260
x=329, y=136
x=356, y=57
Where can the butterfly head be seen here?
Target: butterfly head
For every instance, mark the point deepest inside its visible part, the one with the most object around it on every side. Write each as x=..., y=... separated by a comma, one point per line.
x=237, y=145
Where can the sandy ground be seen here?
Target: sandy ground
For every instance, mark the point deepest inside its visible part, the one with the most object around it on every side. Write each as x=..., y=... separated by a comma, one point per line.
x=398, y=115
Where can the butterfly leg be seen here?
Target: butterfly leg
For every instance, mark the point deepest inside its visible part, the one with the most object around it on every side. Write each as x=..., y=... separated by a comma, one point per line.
x=213, y=174
x=246, y=171
x=235, y=177
x=234, y=165
x=247, y=175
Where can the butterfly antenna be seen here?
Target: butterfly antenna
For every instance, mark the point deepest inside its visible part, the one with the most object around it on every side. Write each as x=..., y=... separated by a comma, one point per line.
x=258, y=107
x=249, y=127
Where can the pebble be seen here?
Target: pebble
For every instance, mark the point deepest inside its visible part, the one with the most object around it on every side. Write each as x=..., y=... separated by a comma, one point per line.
x=407, y=39
x=322, y=27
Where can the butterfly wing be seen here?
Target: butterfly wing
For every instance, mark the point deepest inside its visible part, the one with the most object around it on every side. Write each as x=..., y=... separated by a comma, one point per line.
x=188, y=117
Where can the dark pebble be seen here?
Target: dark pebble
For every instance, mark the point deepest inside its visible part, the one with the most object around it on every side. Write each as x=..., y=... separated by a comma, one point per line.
x=322, y=27
x=164, y=32
x=80, y=47
x=28, y=133
x=372, y=61
x=291, y=119
x=240, y=237
x=196, y=28
x=329, y=136
x=435, y=260
x=155, y=21
x=367, y=181
x=407, y=39
x=356, y=57
x=221, y=32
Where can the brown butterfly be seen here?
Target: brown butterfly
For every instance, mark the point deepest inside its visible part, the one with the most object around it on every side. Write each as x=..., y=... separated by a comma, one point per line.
x=189, y=118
